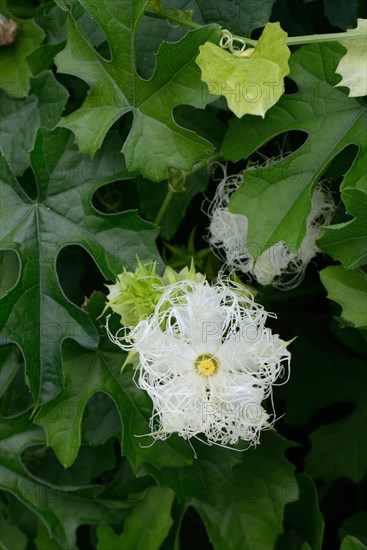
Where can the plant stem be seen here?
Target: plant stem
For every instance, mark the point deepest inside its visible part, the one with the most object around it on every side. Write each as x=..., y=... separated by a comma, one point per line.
x=331, y=37
x=201, y=164
x=174, y=18
x=291, y=41
x=164, y=207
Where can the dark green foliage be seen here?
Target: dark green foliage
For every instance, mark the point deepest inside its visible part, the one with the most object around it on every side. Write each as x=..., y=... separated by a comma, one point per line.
x=77, y=466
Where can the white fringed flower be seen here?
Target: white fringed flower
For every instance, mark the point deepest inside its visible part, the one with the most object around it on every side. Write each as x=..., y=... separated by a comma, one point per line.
x=228, y=238
x=207, y=361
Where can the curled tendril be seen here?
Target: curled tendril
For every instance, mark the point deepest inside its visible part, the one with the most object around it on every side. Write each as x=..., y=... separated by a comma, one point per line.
x=176, y=180
x=237, y=46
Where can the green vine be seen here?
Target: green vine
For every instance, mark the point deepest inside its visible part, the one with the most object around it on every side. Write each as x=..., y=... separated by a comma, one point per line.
x=181, y=18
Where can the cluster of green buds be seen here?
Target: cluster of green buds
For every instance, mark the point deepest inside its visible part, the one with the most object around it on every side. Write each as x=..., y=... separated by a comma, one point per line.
x=135, y=295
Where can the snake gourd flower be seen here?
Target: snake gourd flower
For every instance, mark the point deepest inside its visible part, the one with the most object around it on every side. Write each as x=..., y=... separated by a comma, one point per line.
x=208, y=362
x=278, y=265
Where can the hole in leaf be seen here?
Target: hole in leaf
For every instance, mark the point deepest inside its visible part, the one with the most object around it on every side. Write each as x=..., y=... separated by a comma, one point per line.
x=29, y=184
x=91, y=462
x=9, y=271
x=279, y=147
x=101, y=420
x=204, y=122
x=124, y=125
x=335, y=172
x=298, y=434
x=104, y=50
x=349, y=338
x=193, y=533
x=341, y=163
x=290, y=86
x=116, y=197
x=333, y=413
x=19, y=514
x=84, y=537
x=92, y=31
x=149, y=36
x=78, y=274
x=293, y=18
x=351, y=496
x=77, y=89
x=15, y=394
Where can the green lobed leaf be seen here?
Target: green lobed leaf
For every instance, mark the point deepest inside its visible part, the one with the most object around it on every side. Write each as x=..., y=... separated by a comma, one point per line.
x=340, y=449
x=347, y=241
x=240, y=16
x=15, y=395
x=10, y=363
x=208, y=125
x=89, y=372
x=304, y=514
x=355, y=526
x=21, y=515
x=53, y=22
x=44, y=541
x=62, y=509
x=352, y=543
x=21, y=118
x=352, y=66
x=9, y=271
x=239, y=496
x=342, y=13
x=15, y=71
x=277, y=199
x=146, y=527
x=251, y=85
x=35, y=314
x=101, y=420
x=125, y=488
x=349, y=289
x=152, y=32
x=9, y=533
x=90, y=465
x=329, y=376
x=323, y=372
x=155, y=142
x=83, y=20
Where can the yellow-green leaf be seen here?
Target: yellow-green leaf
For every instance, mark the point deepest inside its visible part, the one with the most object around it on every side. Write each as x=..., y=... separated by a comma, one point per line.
x=352, y=66
x=251, y=84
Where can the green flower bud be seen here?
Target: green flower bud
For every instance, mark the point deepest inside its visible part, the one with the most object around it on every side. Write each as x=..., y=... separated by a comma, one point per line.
x=171, y=276
x=135, y=295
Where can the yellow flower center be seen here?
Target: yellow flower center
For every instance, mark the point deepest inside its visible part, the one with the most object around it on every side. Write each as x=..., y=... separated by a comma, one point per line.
x=206, y=365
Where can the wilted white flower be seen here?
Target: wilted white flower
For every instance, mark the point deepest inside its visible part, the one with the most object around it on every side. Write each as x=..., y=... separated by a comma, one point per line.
x=207, y=362
x=228, y=238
